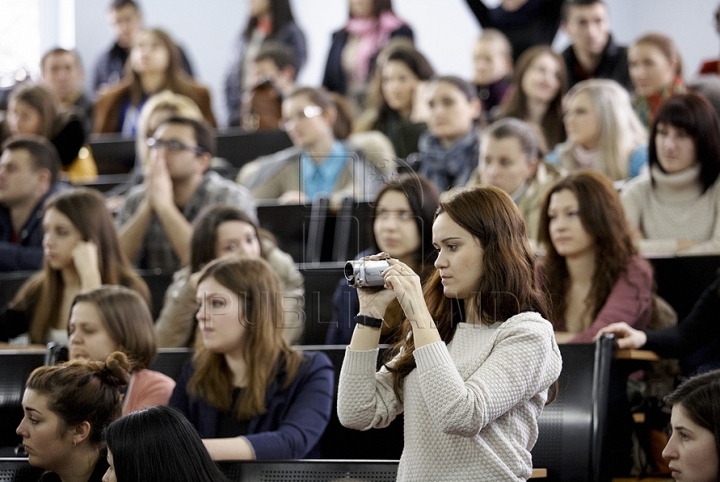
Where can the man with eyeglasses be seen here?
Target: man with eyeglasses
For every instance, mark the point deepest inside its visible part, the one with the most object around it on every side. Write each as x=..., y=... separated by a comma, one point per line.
x=154, y=223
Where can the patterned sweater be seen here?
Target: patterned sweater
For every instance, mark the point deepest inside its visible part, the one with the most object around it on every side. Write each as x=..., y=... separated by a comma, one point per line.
x=471, y=406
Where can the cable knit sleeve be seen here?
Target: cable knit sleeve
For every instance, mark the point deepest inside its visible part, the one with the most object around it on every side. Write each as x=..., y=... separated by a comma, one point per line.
x=523, y=362
x=365, y=398
x=630, y=301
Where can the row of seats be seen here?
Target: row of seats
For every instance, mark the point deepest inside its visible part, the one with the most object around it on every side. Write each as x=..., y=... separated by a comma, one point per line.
x=571, y=428
x=115, y=154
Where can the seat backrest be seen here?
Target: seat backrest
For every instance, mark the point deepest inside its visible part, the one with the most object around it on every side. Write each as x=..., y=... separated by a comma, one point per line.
x=15, y=368
x=571, y=429
x=158, y=282
x=320, y=283
x=18, y=470
x=311, y=470
x=171, y=360
x=239, y=147
x=10, y=283
x=676, y=287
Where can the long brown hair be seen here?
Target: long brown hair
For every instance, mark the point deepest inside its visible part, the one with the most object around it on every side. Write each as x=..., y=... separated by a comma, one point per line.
x=44, y=291
x=176, y=80
x=602, y=216
x=40, y=99
x=507, y=286
x=516, y=103
x=264, y=350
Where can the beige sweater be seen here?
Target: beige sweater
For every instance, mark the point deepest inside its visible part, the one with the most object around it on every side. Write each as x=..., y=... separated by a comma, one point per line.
x=674, y=208
x=471, y=407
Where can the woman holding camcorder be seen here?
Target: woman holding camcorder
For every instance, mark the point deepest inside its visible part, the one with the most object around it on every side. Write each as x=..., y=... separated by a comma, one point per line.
x=476, y=361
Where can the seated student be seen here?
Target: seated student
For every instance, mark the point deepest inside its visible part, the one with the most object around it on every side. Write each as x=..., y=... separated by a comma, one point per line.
x=475, y=362
x=29, y=168
x=154, y=221
x=371, y=24
x=695, y=340
x=656, y=71
x=604, y=133
x=81, y=253
x=509, y=160
x=115, y=318
x=694, y=447
x=317, y=164
x=526, y=23
x=592, y=53
x=272, y=78
x=538, y=86
x=157, y=444
x=62, y=74
x=248, y=394
x=449, y=148
x=493, y=64
x=32, y=111
x=218, y=231
x=159, y=108
x=395, y=102
x=591, y=270
x=270, y=21
x=126, y=19
x=66, y=408
x=676, y=210
x=402, y=216
x=153, y=66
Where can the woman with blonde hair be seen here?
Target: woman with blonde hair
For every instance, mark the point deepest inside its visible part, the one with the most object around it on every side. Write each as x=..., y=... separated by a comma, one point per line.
x=604, y=133
x=81, y=253
x=246, y=391
x=153, y=66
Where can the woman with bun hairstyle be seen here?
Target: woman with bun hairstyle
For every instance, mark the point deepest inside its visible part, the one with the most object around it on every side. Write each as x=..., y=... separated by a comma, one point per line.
x=66, y=408
x=138, y=441
x=115, y=318
x=81, y=253
x=220, y=231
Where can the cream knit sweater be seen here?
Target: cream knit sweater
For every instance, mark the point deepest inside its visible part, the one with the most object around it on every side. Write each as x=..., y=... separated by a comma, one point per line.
x=674, y=208
x=471, y=407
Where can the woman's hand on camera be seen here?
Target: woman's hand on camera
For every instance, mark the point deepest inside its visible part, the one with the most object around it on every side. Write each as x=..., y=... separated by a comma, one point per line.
x=405, y=283
x=374, y=301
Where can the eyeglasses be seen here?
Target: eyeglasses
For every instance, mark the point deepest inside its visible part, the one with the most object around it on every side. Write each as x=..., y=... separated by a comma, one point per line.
x=307, y=113
x=173, y=145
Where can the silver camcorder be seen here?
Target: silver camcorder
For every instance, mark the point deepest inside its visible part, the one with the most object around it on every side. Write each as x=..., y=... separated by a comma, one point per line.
x=365, y=274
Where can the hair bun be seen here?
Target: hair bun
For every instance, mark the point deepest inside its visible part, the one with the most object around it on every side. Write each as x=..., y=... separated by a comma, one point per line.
x=116, y=370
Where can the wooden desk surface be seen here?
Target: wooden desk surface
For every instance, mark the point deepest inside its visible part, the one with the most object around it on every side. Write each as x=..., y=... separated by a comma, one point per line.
x=539, y=474
x=629, y=354
x=4, y=346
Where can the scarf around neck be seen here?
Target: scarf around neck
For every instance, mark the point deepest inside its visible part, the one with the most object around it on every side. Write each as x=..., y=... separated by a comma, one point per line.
x=373, y=33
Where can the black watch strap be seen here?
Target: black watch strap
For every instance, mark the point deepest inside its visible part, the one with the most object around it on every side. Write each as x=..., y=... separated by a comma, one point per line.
x=369, y=321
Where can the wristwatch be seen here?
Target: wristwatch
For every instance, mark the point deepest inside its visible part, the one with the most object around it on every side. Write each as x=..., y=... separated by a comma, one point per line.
x=369, y=321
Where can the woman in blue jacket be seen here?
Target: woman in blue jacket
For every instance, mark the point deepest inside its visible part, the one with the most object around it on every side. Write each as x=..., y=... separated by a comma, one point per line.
x=248, y=394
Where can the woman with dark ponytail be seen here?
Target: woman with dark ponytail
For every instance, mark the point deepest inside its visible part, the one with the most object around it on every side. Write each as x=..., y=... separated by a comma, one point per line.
x=66, y=407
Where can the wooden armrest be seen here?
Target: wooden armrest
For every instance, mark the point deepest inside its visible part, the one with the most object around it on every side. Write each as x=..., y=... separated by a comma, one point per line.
x=629, y=354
